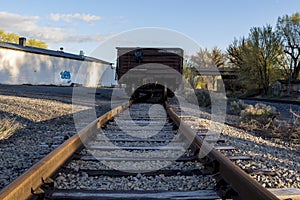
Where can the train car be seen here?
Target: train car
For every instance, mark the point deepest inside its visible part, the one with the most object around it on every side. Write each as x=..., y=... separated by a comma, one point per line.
x=149, y=70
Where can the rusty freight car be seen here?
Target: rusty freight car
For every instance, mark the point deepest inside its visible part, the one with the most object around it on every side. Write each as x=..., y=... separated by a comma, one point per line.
x=149, y=70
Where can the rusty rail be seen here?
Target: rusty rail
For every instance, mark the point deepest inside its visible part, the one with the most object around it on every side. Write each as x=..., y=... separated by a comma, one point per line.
x=22, y=187
x=240, y=181
x=32, y=179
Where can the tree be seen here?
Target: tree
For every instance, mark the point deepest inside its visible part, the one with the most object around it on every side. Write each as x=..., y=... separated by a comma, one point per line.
x=36, y=43
x=219, y=58
x=205, y=58
x=289, y=29
x=257, y=57
x=14, y=38
x=189, y=72
x=9, y=37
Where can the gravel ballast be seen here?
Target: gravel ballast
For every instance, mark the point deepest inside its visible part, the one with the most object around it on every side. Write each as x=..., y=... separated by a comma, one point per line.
x=276, y=155
x=45, y=121
x=73, y=176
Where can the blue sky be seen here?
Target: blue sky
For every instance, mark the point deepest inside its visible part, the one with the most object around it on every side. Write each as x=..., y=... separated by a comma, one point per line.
x=83, y=25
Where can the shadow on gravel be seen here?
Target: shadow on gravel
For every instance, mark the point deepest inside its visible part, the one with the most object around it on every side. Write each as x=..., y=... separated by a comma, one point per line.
x=62, y=94
x=32, y=142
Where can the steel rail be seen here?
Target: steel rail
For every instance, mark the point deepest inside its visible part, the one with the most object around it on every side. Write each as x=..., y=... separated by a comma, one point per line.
x=22, y=187
x=240, y=181
x=33, y=178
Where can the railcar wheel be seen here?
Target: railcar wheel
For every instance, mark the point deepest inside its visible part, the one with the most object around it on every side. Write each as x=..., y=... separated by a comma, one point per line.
x=170, y=93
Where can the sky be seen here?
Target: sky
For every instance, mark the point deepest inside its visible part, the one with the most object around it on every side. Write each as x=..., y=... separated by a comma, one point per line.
x=86, y=25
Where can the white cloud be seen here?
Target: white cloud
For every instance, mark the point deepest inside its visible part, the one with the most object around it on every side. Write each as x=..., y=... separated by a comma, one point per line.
x=16, y=21
x=28, y=26
x=85, y=38
x=70, y=17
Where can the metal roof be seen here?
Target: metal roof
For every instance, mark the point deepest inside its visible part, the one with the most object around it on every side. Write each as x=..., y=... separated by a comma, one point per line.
x=50, y=52
x=175, y=50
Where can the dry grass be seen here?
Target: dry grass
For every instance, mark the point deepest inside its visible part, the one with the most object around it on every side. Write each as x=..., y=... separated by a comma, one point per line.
x=8, y=127
x=272, y=127
x=263, y=121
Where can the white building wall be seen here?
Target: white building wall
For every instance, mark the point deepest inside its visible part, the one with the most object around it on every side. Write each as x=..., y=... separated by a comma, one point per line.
x=108, y=77
x=19, y=67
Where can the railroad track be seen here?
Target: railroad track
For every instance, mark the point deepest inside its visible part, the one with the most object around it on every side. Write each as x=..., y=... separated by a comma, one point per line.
x=91, y=164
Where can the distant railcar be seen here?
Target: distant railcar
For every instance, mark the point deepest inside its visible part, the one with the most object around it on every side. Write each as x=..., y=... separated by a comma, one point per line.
x=145, y=70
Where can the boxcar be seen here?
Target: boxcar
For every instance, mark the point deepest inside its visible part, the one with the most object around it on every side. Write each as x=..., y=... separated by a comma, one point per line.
x=145, y=70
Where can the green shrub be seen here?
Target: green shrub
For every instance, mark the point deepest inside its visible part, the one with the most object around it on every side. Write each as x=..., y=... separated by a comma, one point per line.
x=203, y=98
x=260, y=112
x=189, y=95
x=200, y=97
x=236, y=107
